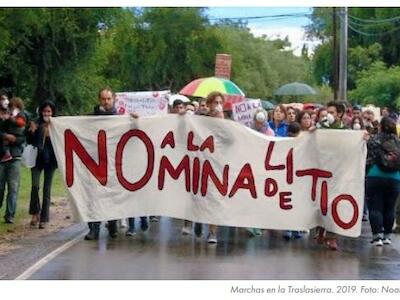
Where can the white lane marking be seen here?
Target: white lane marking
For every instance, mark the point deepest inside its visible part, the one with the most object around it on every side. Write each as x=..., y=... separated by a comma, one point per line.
x=35, y=267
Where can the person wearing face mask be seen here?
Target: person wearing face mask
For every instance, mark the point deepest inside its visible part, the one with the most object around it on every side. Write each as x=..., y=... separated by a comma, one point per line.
x=357, y=123
x=215, y=102
x=38, y=136
x=261, y=125
x=261, y=122
x=12, y=134
x=190, y=109
x=333, y=120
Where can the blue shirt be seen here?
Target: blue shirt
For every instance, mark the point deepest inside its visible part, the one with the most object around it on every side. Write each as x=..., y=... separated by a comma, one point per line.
x=281, y=130
x=376, y=172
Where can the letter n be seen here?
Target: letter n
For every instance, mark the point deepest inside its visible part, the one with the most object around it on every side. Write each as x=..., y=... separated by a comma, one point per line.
x=73, y=145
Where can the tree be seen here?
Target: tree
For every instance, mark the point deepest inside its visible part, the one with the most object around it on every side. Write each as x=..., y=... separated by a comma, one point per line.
x=47, y=46
x=379, y=85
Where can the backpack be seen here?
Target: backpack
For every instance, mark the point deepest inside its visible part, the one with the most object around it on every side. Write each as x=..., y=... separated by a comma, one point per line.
x=388, y=158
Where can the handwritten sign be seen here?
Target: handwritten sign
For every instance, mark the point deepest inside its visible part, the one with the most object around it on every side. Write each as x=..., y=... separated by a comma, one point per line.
x=143, y=103
x=244, y=112
x=212, y=171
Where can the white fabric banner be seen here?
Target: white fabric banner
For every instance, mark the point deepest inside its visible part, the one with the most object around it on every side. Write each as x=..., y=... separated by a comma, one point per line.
x=144, y=103
x=211, y=171
x=243, y=112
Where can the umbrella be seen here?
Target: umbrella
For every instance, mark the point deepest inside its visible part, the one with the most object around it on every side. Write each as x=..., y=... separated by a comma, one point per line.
x=267, y=105
x=295, y=89
x=203, y=86
x=172, y=98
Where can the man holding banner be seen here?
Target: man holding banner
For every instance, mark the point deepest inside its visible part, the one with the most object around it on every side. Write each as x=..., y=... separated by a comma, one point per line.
x=105, y=108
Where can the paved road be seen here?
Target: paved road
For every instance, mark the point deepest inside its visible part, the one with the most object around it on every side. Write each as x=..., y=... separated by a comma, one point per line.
x=163, y=253
x=28, y=250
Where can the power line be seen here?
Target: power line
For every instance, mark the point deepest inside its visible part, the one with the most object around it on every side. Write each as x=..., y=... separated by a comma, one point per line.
x=359, y=31
x=262, y=17
x=375, y=21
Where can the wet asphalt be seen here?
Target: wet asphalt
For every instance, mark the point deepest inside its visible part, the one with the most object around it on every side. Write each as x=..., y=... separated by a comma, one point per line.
x=164, y=253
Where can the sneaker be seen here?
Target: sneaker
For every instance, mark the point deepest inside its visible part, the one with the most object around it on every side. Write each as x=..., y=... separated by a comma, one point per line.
x=42, y=225
x=258, y=232
x=297, y=234
x=331, y=244
x=153, y=219
x=377, y=242
x=9, y=220
x=287, y=235
x=198, y=228
x=92, y=235
x=35, y=220
x=212, y=238
x=186, y=230
x=251, y=232
x=365, y=218
x=130, y=233
x=122, y=223
x=387, y=241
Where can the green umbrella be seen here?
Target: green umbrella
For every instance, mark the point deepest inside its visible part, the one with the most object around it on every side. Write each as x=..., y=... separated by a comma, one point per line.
x=295, y=89
x=267, y=105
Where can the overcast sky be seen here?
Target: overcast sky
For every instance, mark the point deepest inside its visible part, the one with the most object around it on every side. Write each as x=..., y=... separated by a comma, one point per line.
x=293, y=27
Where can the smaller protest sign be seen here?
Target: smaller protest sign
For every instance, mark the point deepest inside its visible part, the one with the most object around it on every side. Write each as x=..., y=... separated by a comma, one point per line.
x=143, y=103
x=243, y=112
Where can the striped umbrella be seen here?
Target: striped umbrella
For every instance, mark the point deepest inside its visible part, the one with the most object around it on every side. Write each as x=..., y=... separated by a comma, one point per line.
x=203, y=86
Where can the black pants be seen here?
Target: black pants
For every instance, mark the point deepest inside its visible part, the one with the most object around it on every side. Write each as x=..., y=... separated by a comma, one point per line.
x=112, y=226
x=382, y=195
x=34, y=206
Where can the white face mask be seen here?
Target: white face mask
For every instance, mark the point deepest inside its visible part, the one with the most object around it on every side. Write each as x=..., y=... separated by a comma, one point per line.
x=190, y=112
x=261, y=117
x=218, y=108
x=357, y=126
x=46, y=119
x=5, y=103
x=15, y=112
x=330, y=118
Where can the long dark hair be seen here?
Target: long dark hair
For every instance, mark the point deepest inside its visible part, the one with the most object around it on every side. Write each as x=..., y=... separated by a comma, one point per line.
x=43, y=106
x=388, y=126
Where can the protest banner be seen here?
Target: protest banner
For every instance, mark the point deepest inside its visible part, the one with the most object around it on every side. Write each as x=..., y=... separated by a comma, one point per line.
x=143, y=103
x=211, y=171
x=244, y=112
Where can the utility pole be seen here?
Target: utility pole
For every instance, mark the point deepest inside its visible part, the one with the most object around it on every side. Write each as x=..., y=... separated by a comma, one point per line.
x=343, y=55
x=335, y=63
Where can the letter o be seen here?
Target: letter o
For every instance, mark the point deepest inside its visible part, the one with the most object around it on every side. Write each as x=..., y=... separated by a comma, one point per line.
x=150, y=159
x=335, y=214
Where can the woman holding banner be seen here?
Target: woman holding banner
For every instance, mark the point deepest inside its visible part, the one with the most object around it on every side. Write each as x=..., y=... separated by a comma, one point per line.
x=215, y=104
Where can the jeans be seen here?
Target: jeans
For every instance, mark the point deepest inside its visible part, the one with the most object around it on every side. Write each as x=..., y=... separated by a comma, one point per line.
x=143, y=224
x=382, y=195
x=10, y=175
x=34, y=207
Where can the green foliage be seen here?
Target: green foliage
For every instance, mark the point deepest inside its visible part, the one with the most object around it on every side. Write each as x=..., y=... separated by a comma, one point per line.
x=64, y=55
x=370, y=40
x=260, y=66
x=378, y=85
